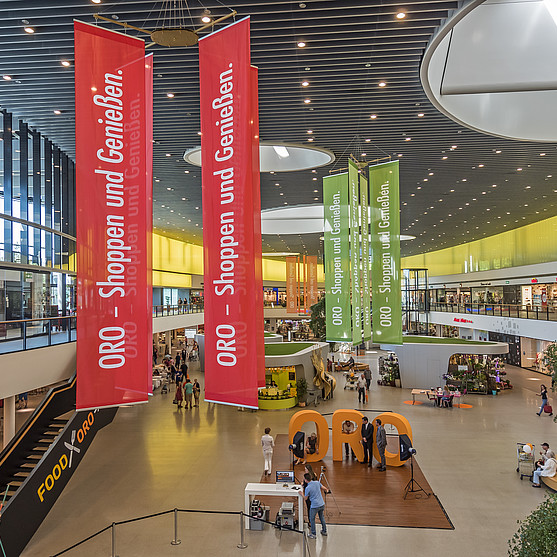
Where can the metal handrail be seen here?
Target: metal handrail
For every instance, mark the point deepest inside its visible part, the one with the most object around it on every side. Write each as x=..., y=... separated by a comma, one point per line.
x=176, y=541
x=498, y=310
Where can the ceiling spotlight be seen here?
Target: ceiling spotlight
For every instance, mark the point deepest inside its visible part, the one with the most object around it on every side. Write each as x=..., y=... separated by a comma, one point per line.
x=421, y=115
x=305, y=83
x=29, y=30
x=168, y=155
x=309, y=131
x=206, y=16
x=373, y=116
x=57, y=112
x=66, y=63
x=368, y=140
x=310, y=138
x=170, y=95
x=301, y=44
x=364, y=154
x=542, y=154
x=400, y=15
x=408, y=139
x=382, y=84
x=96, y=1
x=7, y=77
x=307, y=101
x=497, y=152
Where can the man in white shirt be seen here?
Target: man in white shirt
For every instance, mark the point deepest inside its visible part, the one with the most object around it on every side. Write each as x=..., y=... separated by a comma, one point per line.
x=361, y=389
x=267, y=443
x=548, y=470
x=546, y=453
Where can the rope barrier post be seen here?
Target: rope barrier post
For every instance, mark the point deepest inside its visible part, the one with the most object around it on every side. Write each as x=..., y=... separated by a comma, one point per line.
x=176, y=541
x=242, y=544
x=304, y=544
x=113, y=529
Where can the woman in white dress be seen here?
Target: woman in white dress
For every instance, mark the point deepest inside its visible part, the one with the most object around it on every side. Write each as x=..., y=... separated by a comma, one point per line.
x=267, y=443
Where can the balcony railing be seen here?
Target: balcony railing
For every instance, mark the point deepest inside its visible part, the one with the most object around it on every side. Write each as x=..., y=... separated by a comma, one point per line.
x=497, y=310
x=182, y=309
x=24, y=334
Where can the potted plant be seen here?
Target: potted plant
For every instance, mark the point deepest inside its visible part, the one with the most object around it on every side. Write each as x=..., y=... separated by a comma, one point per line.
x=302, y=390
x=537, y=534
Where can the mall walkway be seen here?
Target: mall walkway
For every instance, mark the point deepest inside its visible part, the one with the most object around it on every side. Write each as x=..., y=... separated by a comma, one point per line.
x=154, y=457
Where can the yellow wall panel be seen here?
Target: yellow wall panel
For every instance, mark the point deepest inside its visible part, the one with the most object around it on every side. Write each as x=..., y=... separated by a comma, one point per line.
x=180, y=257
x=527, y=245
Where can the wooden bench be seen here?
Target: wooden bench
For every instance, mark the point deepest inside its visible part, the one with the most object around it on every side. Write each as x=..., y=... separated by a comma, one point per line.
x=550, y=482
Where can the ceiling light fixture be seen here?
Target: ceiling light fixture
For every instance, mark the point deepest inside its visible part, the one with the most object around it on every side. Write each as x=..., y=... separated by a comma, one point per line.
x=206, y=19
x=301, y=44
x=373, y=116
x=305, y=83
x=29, y=30
x=57, y=112
x=400, y=15
x=307, y=101
x=170, y=95
x=96, y=1
x=382, y=84
x=309, y=131
x=7, y=77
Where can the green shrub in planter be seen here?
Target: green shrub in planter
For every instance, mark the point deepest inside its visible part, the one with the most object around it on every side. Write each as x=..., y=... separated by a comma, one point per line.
x=537, y=533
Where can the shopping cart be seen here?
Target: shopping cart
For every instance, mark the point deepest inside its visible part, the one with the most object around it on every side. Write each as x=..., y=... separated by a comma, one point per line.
x=351, y=380
x=526, y=460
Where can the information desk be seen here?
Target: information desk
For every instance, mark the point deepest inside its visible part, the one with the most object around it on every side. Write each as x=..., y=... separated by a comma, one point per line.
x=276, y=490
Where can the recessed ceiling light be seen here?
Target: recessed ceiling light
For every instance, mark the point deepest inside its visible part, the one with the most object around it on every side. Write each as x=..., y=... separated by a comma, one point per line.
x=301, y=44
x=7, y=77
x=445, y=158
x=310, y=138
x=421, y=115
x=542, y=154
x=400, y=15
x=431, y=173
x=307, y=101
x=305, y=83
x=382, y=84
x=29, y=30
x=519, y=169
x=498, y=152
x=373, y=116
x=453, y=146
x=57, y=112
x=309, y=131
x=168, y=154
x=170, y=95
x=408, y=139
x=66, y=63
x=206, y=19
x=399, y=155
x=96, y=1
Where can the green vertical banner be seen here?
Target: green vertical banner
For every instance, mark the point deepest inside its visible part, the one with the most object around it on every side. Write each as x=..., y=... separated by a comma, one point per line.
x=385, y=249
x=337, y=258
x=364, y=204
x=353, y=179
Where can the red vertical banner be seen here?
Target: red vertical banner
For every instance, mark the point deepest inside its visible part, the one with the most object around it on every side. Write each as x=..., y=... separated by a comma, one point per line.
x=113, y=100
x=291, y=285
x=231, y=242
x=313, y=292
x=260, y=331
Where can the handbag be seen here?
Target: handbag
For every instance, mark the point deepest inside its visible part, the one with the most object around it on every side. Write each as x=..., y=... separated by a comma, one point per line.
x=548, y=409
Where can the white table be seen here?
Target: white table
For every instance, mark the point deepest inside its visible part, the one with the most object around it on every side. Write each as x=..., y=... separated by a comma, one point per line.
x=276, y=490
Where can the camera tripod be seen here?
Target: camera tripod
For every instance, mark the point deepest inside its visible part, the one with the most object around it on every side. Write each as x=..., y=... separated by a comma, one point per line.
x=322, y=476
x=413, y=486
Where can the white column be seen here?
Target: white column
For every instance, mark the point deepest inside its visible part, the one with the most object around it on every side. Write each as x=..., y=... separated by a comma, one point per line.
x=9, y=419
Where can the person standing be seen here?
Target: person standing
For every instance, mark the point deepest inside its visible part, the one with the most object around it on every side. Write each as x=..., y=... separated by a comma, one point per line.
x=367, y=440
x=188, y=391
x=267, y=444
x=361, y=389
x=367, y=377
x=178, y=360
x=348, y=427
x=196, y=391
x=155, y=355
x=381, y=441
x=184, y=369
x=312, y=492
x=308, y=470
x=543, y=394
x=178, y=397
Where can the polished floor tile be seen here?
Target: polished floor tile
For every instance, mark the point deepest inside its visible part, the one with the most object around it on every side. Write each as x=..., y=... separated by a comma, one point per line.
x=155, y=458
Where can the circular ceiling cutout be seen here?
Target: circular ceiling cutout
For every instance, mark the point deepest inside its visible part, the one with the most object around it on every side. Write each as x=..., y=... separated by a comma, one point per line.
x=491, y=68
x=299, y=219
x=279, y=157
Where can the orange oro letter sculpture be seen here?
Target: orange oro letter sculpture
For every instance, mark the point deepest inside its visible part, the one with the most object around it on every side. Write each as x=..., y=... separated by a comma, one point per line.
x=354, y=439
x=296, y=423
x=403, y=427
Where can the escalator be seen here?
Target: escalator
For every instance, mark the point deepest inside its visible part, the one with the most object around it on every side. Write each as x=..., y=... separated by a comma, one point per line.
x=39, y=461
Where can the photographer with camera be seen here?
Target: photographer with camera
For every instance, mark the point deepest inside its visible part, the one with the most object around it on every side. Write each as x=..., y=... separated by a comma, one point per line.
x=312, y=492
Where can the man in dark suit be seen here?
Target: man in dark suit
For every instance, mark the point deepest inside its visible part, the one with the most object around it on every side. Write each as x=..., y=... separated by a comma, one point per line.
x=367, y=440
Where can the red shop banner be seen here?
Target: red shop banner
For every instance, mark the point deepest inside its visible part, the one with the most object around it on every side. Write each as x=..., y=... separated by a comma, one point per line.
x=313, y=292
x=113, y=100
x=231, y=239
x=291, y=284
